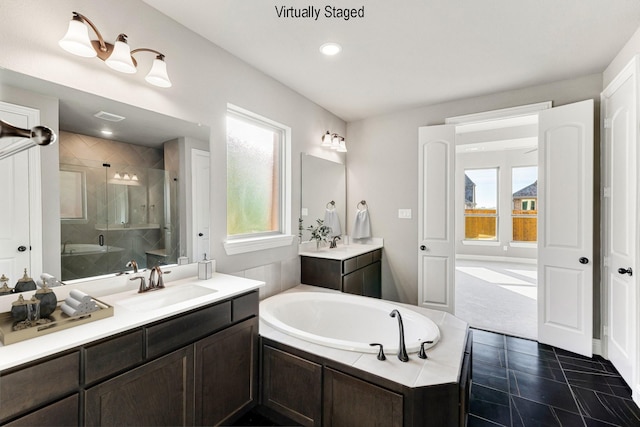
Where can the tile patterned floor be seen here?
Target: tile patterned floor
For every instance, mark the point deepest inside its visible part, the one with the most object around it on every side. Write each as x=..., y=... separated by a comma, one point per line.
x=521, y=383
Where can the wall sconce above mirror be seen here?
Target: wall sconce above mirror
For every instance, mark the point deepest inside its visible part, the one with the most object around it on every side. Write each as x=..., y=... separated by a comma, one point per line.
x=117, y=56
x=334, y=142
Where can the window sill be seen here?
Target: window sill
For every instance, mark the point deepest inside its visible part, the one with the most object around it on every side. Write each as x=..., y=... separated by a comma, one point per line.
x=241, y=246
x=480, y=243
x=532, y=245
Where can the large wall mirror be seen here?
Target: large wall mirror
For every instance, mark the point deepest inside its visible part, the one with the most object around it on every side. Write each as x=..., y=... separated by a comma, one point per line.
x=123, y=196
x=324, y=187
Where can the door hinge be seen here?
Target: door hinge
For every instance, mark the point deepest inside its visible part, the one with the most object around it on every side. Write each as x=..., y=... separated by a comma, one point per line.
x=605, y=330
x=607, y=123
x=606, y=192
x=605, y=261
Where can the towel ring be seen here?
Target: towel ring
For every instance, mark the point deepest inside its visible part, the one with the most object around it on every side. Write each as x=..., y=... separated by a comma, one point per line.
x=363, y=203
x=331, y=204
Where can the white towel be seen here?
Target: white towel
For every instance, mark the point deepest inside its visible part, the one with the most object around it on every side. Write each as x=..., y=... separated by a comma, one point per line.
x=332, y=220
x=361, y=226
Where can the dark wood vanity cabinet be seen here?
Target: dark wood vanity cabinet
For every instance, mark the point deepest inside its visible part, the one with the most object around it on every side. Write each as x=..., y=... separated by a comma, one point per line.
x=315, y=391
x=196, y=368
x=360, y=275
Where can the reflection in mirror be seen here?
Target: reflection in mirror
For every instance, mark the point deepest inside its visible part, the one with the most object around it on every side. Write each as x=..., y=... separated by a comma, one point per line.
x=135, y=220
x=323, y=182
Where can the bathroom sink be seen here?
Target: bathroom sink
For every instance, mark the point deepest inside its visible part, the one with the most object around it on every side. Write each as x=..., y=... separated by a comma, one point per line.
x=161, y=298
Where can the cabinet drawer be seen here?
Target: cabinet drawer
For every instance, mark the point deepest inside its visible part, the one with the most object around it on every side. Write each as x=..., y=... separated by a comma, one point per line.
x=113, y=355
x=350, y=265
x=364, y=259
x=179, y=331
x=245, y=306
x=45, y=381
x=377, y=255
x=62, y=413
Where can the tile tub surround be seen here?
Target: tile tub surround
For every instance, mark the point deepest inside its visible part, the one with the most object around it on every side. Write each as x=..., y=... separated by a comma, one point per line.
x=443, y=365
x=521, y=383
x=111, y=290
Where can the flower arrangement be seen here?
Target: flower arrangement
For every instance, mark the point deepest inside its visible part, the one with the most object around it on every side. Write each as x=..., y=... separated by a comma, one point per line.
x=319, y=232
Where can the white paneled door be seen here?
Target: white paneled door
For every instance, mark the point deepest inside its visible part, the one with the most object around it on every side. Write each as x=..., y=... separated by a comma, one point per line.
x=436, y=225
x=565, y=224
x=21, y=202
x=200, y=184
x=620, y=216
x=565, y=227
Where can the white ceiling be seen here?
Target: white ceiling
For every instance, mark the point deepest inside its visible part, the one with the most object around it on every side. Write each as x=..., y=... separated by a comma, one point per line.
x=410, y=53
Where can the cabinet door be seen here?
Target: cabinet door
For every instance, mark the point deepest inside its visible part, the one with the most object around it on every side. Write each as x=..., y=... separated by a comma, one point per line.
x=352, y=282
x=350, y=402
x=159, y=393
x=226, y=372
x=372, y=280
x=292, y=386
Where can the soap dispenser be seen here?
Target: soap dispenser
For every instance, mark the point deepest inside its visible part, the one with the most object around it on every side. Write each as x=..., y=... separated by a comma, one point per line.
x=205, y=268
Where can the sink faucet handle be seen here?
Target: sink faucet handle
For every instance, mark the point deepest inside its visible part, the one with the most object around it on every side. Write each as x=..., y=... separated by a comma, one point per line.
x=143, y=284
x=381, y=355
x=422, y=354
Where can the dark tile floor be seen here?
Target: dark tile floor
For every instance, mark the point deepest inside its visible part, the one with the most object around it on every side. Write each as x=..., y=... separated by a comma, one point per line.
x=521, y=383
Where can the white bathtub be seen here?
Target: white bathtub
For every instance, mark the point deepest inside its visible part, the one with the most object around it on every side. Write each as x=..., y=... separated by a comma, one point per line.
x=347, y=322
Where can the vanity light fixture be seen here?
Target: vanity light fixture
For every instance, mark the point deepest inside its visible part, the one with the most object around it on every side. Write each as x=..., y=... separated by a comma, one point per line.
x=117, y=176
x=117, y=56
x=334, y=142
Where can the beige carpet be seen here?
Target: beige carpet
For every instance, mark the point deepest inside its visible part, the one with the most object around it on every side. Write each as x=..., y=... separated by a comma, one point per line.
x=498, y=296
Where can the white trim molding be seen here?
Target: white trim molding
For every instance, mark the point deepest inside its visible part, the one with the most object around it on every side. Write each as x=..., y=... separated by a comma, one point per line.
x=522, y=110
x=241, y=246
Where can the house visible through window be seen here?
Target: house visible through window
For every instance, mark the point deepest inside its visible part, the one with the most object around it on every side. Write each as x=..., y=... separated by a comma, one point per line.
x=524, y=184
x=481, y=204
x=255, y=178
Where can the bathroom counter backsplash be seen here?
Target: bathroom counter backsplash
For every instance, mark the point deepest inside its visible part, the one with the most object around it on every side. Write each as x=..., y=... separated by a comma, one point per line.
x=354, y=248
x=112, y=290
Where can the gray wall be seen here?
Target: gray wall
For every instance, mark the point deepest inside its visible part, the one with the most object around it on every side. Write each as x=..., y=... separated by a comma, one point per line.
x=205, y=78
x=383, y=169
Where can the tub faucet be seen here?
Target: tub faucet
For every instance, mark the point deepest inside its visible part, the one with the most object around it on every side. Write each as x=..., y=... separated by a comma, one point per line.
x=333, y=243
x=133, y=264
x=402, y=351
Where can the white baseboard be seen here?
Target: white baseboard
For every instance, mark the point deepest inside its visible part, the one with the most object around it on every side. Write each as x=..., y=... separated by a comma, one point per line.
x=596, y=347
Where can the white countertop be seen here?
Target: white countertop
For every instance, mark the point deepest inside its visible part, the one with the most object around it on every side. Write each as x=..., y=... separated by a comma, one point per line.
x=341, y=252
x=124, y=318
x=442, y=367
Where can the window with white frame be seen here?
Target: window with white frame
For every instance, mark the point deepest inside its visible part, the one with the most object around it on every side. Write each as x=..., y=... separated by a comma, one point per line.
x=257, y=178
x=481, y=204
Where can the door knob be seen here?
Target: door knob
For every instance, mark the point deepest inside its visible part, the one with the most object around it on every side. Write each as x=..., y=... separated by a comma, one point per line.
x=22, y=248
x=625, y=271
x=423, y=248
x=584, y=260
x=200, y=234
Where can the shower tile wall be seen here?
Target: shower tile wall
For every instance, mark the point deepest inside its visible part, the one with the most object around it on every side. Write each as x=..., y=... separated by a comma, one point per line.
x=89, y=153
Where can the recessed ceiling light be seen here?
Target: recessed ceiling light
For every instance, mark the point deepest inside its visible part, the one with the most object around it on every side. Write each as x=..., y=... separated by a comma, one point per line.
x=330, y=49
x=106, y=132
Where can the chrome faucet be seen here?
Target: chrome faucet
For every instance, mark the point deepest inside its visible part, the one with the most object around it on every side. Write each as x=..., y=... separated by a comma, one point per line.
x=402, y=351
x=333, y=243
x=156, y=283
x=143, y=284
x=133, y=264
